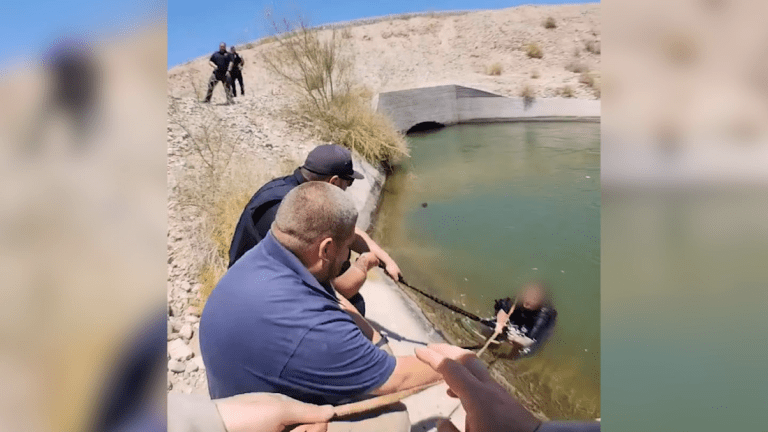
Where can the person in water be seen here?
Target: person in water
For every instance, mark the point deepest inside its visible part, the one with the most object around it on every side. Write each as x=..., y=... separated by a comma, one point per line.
x=531, y=318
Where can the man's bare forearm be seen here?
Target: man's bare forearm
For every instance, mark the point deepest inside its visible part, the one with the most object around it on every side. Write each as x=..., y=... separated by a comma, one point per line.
x=364, y=243
x=350, y=282
x=361, y=322
x=409, y=372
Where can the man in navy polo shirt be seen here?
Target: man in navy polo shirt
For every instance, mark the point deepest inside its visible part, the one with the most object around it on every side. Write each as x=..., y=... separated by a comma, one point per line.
x=327, y=163
x=273, y=323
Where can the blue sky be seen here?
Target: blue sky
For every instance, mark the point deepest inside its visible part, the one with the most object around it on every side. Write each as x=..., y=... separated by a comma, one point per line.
x=28, y=28
x=195, y=27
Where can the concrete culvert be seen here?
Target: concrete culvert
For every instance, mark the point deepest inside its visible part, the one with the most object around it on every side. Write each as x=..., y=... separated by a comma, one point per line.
x=425, y=127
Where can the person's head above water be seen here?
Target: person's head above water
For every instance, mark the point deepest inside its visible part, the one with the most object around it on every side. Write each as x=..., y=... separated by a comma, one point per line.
x=533, y=296
x=331, y=164
x=316, y=222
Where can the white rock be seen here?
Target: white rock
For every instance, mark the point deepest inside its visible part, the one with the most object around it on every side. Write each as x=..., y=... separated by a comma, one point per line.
x=191, y=319
x=186, y=286
x=199, y=362
x=179, y=350
x=177, y=325
x=176, y=366
x=191, y=367
x=186, y=331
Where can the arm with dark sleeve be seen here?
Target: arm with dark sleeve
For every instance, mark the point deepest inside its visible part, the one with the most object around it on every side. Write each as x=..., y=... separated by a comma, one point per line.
x=503, y=304
x=546, y=315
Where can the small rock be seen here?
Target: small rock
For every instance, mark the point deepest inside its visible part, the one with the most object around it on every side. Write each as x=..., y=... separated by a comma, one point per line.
x=177, y=325
x=191, y=367
x=186, y=286
x=192, y=319
x=176, y=366
x=193, y=310
x=186, y=332
x=199, y=362
x=178, y=350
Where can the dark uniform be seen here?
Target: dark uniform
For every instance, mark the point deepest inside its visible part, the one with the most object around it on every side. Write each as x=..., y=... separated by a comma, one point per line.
x=222, y=61
x=236, y=74
x=532, y=323
x=258, y=216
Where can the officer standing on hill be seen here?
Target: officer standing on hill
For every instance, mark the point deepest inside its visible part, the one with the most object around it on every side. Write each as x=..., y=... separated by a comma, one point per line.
x=221, y=62
x=236, y=73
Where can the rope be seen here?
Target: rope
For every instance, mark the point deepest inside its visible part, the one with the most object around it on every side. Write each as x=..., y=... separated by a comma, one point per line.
x=456, y=309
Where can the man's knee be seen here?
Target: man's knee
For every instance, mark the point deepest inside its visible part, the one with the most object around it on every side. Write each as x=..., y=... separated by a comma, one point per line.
x=392, y=418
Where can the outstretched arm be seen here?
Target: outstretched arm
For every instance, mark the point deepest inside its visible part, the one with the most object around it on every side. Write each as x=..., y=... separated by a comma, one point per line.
x=364, y=243
x=350, y=282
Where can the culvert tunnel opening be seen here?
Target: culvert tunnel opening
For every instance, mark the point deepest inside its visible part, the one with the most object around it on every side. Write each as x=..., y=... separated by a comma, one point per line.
x=425, y=127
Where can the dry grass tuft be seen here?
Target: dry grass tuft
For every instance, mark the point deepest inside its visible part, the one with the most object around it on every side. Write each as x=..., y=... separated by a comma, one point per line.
x=346, y=33
x=549, y=23
x=528, y=94
x=214, y=189
x=535, y=74
x=319, y=69
x=576, y=67
x=592, y=46
x=587, y=79
x=494, y=69
x=566, y=91
x=349, y=121
x=534, y=51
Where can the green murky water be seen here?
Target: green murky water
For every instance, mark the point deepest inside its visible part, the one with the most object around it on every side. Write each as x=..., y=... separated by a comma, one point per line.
x=506, y=203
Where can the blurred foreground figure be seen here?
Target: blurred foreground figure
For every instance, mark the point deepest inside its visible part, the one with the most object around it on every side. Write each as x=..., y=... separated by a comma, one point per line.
x=129, y=398
x=488, y=406
x=73, y=74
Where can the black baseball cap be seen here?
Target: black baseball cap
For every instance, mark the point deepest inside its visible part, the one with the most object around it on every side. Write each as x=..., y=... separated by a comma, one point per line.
x=331, y=159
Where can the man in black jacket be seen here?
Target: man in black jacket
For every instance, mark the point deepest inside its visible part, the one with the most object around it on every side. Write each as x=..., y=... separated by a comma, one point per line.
x=221, y=62
x=236, y=73
x=331, y=164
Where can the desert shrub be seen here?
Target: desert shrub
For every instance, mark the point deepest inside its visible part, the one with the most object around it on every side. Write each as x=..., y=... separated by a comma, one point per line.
x=534, y=51
x=318, y=68
x=549, y=23
x=592, y=46
x=346, y=33
x=349, y=121
x=494, y=69
x=587, y=79
x=528, y=94
x=566, y=91
x=576, y=67
x=214, y=188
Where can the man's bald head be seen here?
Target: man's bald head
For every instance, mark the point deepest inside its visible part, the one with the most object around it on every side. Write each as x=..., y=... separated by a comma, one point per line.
x=314, y=211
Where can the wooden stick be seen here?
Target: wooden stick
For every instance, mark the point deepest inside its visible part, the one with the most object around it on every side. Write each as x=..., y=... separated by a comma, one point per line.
x=488, y=343
x=496, y=333
x=377, y=402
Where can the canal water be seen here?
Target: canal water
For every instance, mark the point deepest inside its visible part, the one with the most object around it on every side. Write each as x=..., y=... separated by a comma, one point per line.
x=480, y=209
